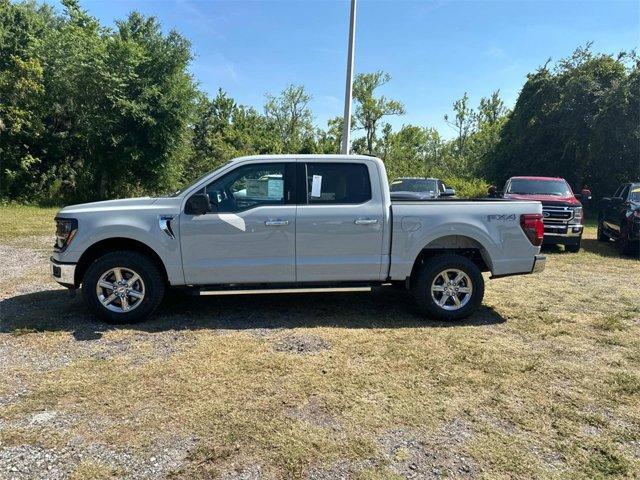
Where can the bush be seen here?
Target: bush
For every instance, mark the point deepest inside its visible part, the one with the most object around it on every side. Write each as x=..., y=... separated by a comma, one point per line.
x=467, y=188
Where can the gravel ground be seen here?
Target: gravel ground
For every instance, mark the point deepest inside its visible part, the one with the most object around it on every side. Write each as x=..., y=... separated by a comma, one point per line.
x=25, y=275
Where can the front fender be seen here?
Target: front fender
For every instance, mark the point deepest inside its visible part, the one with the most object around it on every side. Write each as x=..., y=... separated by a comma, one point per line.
x=144, y=228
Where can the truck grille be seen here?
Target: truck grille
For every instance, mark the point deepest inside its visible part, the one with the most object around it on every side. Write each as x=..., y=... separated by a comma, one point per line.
x=556, y=215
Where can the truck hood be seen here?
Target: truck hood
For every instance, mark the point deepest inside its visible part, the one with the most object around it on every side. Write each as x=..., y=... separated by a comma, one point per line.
x=122, y=204
x=545, y=199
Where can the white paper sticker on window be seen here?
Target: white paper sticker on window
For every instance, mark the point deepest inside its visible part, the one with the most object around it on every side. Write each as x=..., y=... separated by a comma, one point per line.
x=316, y=186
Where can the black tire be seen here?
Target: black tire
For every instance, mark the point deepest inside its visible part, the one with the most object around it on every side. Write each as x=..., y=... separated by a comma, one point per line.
x=625, y=245
x=427, y=274
x=602, y=237
x=573, y=248
x=150, y=274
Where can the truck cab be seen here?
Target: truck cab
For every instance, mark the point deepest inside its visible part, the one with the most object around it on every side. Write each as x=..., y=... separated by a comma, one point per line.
x=561, y=210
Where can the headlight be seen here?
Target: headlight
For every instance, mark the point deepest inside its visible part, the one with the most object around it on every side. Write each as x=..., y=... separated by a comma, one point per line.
x=66, y=229
x=577, y=216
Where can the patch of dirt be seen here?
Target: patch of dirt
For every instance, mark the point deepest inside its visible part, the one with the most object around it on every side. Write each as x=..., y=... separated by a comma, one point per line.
x=302, y=344
x=342, y=469
x=34, y=462
x=433, y=456
x=253, y=472
x=412, y=454
x=316, y=414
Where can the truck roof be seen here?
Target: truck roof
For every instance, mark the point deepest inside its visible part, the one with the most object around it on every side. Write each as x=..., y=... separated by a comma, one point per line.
x=416, y=178
x=536, y=178
x=342, y=158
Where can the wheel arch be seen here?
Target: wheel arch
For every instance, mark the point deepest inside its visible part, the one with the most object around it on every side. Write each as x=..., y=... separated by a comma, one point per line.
x=108, y=245
x=462, y=245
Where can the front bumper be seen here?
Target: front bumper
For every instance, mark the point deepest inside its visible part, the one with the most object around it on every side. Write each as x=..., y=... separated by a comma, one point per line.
x=63, y=273
x=567, y=234
x=539, y=263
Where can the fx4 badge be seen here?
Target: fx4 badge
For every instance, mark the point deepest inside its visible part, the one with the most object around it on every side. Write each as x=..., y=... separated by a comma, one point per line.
x=502, y=218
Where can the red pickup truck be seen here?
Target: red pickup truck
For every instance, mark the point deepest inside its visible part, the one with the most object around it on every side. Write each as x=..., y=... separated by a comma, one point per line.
x=561, y=210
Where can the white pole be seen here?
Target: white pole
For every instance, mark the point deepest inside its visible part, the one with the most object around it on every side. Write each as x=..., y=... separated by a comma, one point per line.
x=346, y=131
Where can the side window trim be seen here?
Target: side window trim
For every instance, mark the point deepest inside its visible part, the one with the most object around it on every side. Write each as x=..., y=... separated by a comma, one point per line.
x=289, y=194
x=303, y=187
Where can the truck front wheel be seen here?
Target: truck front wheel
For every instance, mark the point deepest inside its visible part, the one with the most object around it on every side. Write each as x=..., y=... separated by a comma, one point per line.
x=123, y=287
x=448, y=287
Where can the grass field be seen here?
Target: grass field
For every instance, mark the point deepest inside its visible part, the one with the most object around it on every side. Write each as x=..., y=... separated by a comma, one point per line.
x=543, y=382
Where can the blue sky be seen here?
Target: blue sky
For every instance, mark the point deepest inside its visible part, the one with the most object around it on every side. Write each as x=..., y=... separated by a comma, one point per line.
x=434, y=50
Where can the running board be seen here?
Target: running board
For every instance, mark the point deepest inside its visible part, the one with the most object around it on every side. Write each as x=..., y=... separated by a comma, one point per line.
x=283, y=290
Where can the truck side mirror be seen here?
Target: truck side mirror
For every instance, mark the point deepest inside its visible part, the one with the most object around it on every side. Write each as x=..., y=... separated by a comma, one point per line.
x=578, y=196
x=448, y=192
x=198, y=204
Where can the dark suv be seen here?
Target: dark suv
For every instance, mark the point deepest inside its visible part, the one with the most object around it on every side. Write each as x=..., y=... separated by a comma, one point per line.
x=619, y=218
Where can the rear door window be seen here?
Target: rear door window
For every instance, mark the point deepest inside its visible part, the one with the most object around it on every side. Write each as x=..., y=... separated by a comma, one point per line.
x=337, y=183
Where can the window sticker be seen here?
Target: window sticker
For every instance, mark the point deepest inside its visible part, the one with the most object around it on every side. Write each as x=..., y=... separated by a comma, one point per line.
x=316, y=186
x=275, y=188
x=256, y=188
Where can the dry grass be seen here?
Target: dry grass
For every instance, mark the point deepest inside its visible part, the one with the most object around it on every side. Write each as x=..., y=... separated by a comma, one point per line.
x=543, y=382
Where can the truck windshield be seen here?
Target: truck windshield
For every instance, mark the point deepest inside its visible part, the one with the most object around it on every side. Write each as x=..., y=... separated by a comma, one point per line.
x=414, y=185
x=634, y=195
x=558, y=188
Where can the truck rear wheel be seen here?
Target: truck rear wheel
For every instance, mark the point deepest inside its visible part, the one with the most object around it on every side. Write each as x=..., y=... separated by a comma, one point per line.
x=123, y=287
x=448, y=287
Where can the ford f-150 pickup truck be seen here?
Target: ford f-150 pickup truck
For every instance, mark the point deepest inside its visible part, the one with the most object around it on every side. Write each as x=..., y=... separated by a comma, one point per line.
x=561, y=209
x=292, y=223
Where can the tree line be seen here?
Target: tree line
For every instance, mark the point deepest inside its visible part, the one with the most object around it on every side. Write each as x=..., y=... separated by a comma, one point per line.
x=90, y=112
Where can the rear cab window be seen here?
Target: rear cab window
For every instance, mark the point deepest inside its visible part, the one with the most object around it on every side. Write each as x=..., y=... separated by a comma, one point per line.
x=335, y=183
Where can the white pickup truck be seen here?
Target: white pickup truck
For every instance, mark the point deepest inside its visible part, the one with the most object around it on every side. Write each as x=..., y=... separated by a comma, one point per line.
x=292, y=223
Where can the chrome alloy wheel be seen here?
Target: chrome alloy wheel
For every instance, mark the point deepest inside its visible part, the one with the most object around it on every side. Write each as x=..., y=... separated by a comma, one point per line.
x=120, y=290
x=451, y=289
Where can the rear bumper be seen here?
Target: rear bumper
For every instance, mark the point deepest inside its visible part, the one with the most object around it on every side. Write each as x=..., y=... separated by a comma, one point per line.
x=63, y=273
x=539, y=263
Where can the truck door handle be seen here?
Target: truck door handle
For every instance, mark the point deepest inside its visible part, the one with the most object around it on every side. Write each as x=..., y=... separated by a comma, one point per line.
x=276, y=223
x=365, y=221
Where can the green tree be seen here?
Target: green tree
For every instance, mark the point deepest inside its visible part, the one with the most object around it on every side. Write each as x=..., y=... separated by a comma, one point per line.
x=329, y=140
x=578, y=120
x=371, y=109
x=96, y=112
x=291, y=117
x=463, y=122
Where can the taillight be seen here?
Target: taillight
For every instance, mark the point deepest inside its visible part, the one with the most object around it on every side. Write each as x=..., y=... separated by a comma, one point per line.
x=533, y=227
